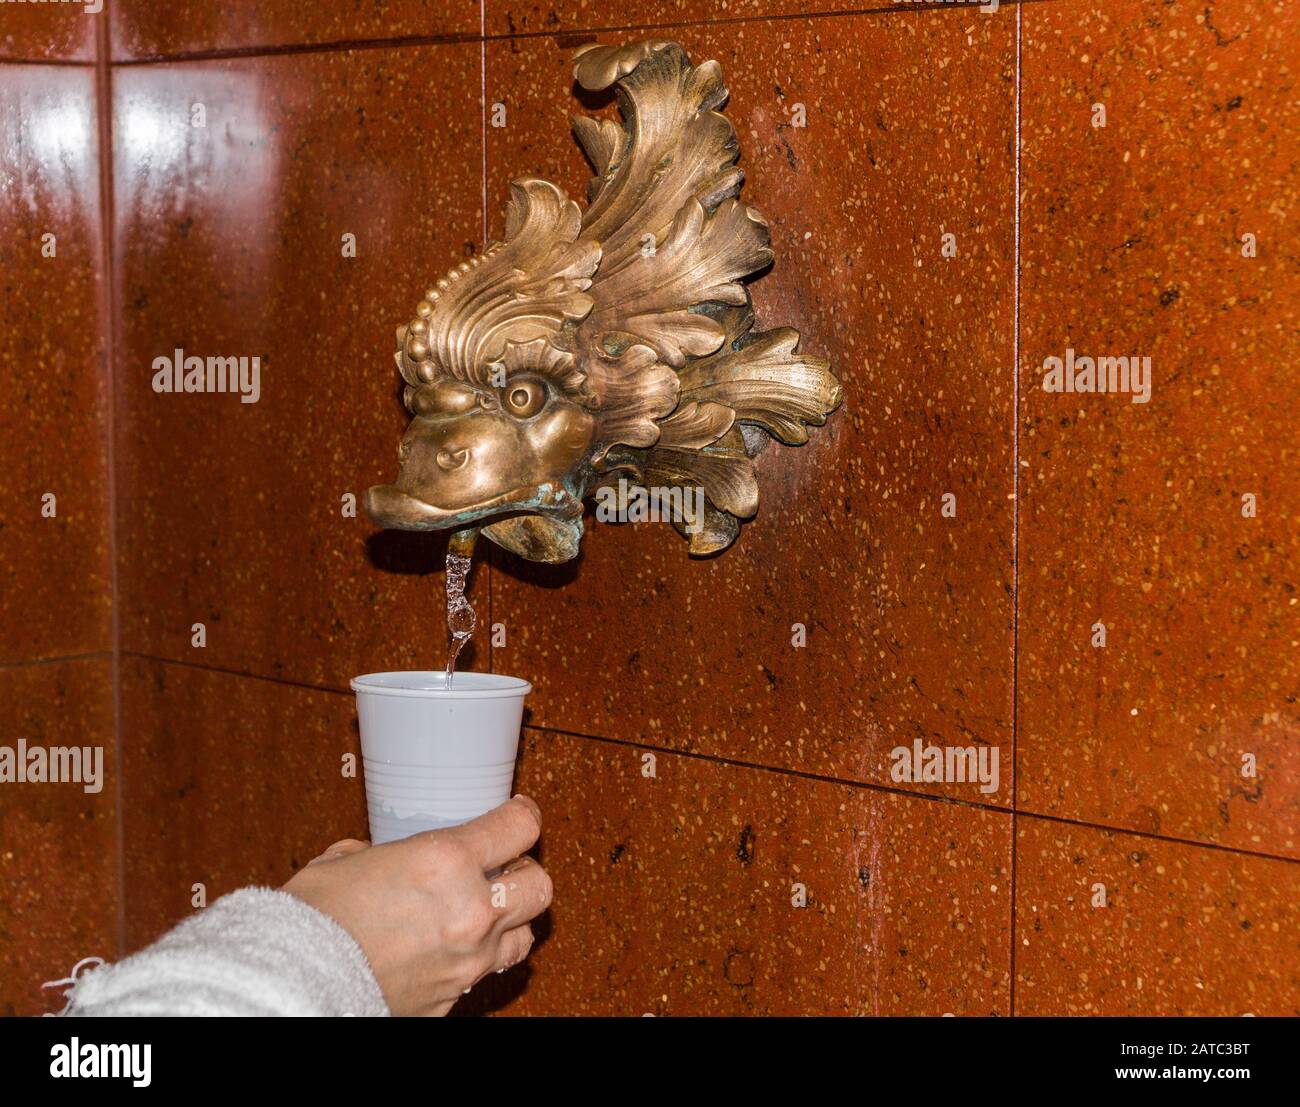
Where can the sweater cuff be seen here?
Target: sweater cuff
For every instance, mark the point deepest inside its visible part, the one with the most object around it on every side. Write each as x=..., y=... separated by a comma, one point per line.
x=255, y=952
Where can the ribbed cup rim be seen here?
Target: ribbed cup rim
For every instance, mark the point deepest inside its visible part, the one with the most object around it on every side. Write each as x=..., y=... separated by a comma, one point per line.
x=429, y=684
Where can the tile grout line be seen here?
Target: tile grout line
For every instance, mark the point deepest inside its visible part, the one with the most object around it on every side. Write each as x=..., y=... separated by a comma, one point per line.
x=90, y=655
x=109, y=331
x=896, y=8
x=864, y=785
x=289, y=49
x=482, y=70
x=206, y=667
x=73, y=63
x=483, y=201
x=1015, y=519
x=777, y=770
x=1168, y=839
x=903, y=792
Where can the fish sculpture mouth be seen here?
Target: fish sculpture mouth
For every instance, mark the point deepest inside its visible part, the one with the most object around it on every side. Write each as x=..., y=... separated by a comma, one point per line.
x=616, y=342
x=391, y=507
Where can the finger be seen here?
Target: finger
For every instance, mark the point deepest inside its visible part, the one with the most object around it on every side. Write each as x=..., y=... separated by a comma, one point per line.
x=340, y=849
x=521, y=892
x=514, y=946
x=500, y=835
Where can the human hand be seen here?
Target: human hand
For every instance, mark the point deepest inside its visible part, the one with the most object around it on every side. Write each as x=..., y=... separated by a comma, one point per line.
x=429, y=921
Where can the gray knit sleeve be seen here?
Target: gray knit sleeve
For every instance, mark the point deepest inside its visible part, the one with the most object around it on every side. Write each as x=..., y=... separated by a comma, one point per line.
x=255, y=952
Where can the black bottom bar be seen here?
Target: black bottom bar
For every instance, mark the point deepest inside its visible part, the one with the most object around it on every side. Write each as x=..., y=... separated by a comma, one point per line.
x=545, y=1056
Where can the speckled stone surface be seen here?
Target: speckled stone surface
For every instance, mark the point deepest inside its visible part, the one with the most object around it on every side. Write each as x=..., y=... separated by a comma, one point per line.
x=228, y=781
x=230, y=243
x=1185, y=930
x=55, y=586
x=675, y=894
x=58, y=852
x=907, y=613
x=1132, y=514
x=47, y=32
x=145, y=28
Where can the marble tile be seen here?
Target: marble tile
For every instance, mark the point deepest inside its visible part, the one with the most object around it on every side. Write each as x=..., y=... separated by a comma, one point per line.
x=144, y=29
x=49, y=32
x=1170, y=523
x=55, y=571
x=713, y=889
x=228, y=781
x=59, y=880
x=230, y=243
x=1109, y=923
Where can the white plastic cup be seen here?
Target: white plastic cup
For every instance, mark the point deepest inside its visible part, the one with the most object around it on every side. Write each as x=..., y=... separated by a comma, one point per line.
x=436, y=756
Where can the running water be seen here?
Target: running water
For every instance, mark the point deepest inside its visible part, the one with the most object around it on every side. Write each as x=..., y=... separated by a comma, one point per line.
x=460, y=616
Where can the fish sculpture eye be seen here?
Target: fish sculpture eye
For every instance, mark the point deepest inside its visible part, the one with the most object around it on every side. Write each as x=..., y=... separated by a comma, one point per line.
x=524, y=397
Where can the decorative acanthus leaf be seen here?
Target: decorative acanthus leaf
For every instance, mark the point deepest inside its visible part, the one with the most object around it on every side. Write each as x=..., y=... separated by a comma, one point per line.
x=522, y=289
x=725, y=472
x=693, y=426
x=538, y=537
x=713, y=534
x=677, y=148
x=701, y=259
x=603, y=141
x=597, y=66
x=768, y=383
x=633, y=392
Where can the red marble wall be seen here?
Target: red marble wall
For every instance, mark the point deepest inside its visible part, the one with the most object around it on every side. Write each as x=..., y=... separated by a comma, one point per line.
x=59, y=858
x=679, y=893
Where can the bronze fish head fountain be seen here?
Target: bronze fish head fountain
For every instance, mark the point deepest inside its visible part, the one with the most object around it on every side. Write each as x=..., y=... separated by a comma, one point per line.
x=609, y=344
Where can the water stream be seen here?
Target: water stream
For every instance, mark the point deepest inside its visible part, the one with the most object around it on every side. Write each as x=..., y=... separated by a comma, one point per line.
x=461, y=619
